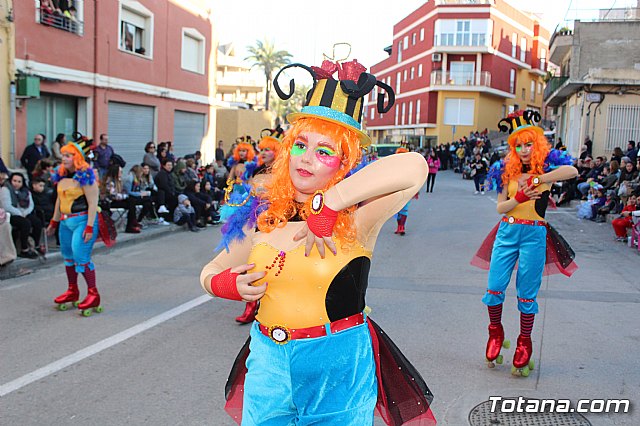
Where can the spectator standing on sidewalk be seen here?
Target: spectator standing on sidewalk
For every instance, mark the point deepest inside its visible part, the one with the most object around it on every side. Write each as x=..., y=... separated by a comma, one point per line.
x=479, y=168
x=434, y=165
x=104, y=151
x=220, y=151
x=632, y=151
x=34, y=153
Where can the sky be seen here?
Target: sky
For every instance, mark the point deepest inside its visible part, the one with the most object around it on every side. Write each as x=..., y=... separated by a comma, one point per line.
x=308, y=29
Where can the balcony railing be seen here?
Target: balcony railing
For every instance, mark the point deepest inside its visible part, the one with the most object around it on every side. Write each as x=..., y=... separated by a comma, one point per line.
x=553, y=85
x=61, y=22
x=460, y=78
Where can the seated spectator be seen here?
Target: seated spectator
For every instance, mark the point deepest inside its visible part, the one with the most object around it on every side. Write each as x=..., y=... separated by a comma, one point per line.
x=4, y=172
x=624, y=222
x=184, y=213
x=60, y=141
x=167, y=193
x=148, y=184
x=593, y=175
x=627, y=179
x=191, y=172
x=114, y=196
x=43, y=199
x=212, y=192
x=221, y=174
x=150, y=158
x=16, y=199
x=44, y=170
x=132, y=185
x=595, y=200
x=180, y=177
x=202, y=204
x=7, y=248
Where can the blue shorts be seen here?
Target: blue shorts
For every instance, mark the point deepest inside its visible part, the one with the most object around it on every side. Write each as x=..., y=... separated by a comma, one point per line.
x=329, y=380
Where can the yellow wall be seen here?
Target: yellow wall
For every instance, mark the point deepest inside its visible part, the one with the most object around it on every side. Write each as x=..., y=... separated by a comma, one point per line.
x=445, y=132
x=232, y=123
x=7, y=72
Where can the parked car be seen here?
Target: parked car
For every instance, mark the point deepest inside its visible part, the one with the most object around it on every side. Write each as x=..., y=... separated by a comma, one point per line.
x=383, y=149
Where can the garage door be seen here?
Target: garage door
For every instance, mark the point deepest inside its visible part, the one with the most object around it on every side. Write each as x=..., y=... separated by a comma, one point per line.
x=130, y=128
x=188, y=131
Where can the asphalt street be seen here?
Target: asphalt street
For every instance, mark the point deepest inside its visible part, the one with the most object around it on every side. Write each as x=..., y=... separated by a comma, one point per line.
x=161, y=351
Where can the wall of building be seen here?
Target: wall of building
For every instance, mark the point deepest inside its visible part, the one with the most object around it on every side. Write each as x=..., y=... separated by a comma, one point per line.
x=6, y=77
x=232, y=123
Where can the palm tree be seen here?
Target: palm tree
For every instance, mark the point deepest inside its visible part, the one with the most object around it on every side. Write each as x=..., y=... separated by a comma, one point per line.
x=294, y=104
x=265, y=56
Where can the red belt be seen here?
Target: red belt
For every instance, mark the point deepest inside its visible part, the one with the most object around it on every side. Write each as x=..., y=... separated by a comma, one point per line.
x=69, y=216
x=511, y=220
x=281, y=334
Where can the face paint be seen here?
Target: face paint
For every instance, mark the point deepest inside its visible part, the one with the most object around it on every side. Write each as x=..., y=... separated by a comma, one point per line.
x=327, y=156
x=298, y=148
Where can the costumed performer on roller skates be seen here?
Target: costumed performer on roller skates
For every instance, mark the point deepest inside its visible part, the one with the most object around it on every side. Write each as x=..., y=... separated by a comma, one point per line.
x=313, y=356
x=76, y=214
x=523, y=180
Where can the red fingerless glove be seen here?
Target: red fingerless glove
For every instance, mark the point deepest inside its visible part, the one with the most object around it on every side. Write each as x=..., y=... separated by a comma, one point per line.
x=54, y=224
x=224, y=285
x=521, y=197
x=321, y=224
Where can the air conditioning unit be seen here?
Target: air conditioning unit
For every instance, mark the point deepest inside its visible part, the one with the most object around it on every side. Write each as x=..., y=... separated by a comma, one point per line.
x=436, y=57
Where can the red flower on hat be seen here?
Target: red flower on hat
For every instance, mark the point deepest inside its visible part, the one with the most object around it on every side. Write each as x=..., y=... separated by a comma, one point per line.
x=351, y=70
x=326, y=71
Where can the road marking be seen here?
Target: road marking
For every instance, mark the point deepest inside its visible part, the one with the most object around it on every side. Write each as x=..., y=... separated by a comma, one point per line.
x=78, y=356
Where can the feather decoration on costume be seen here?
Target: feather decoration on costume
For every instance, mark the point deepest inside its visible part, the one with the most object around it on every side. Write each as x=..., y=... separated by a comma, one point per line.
x=83, y=177
x=231, y=162
x=249, y=168
x=494, y=176
x=557, y=158
x=238, y=213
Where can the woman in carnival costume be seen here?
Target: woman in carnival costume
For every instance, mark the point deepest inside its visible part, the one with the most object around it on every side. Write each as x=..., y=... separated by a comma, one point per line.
x=269, y=147
x=523, y=183
x=313, y=356
x=76, y=214
x=402, y=215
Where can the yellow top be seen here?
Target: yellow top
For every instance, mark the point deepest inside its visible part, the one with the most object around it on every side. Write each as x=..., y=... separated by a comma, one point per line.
x=527, y=210
x=296, y=298
x=68, y=191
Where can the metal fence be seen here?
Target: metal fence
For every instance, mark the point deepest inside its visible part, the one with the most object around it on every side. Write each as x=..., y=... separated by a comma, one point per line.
x=61, y=22
x=623, y=125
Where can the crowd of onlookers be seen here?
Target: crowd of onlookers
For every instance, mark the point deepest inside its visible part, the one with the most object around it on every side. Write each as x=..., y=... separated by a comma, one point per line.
x=59, y=13
x=161, y=189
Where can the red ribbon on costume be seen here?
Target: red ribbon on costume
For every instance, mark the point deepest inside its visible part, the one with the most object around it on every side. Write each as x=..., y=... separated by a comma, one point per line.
x=346, y=70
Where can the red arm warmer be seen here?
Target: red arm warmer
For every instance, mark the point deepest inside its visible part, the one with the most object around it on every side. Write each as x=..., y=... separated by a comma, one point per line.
x=321, y=224
x=521, y=197
x=224, y=285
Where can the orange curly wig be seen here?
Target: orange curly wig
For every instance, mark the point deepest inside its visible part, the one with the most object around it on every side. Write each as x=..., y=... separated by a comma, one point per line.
x=513, y=165
x=78, y=159
x=280, y=193
x=251, y=153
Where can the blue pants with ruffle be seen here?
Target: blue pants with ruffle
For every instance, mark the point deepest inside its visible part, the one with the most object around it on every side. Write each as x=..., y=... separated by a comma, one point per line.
x=74, y=250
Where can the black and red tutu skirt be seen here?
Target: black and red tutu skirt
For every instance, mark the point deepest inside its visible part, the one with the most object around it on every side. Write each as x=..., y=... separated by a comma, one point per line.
x=559, y=260
x=403, y=395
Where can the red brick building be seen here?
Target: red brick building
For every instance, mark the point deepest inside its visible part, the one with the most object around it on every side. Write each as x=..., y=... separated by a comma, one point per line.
x=459, y=66
x=137, y=70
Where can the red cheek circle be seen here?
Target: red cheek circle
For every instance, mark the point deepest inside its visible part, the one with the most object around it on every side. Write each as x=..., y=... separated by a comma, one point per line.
x=329, y=161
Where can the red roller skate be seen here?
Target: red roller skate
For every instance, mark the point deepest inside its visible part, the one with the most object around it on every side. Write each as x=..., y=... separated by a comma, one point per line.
x=249, y=313
x=90, y=303
x=70, y=296
x=495, y=343
x=522, y=362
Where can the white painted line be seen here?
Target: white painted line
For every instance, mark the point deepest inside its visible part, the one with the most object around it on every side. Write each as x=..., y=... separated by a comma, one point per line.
x=78, y=356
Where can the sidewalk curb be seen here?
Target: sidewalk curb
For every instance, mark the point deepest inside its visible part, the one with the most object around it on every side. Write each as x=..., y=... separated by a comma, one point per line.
x=21, y=267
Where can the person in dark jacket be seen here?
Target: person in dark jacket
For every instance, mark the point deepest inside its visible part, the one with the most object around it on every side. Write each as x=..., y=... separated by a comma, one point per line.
x=34, y=152
x=167, y=194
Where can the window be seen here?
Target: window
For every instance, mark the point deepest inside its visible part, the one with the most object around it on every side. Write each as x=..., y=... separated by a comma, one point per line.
x=193, y=48
x=533, y=91
x=399, y=51
x=397, y=110
x=514, y=44
x=458, y=112
x=524, y=93
x=413, y=70
x=467, y=32
x=405, y=75
x=398, y=78
x=421, y=34
x=69, y=19
x=406, y=42
x=136, y=29
x=373, y=111
x=420, y=70
x=404, y=108
x=462, y=73
x=539, y=88
x=523, y=49
x=410, y=112
x=543, y=59
x=512, y=81
x=413, y=39
x=418, y=111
